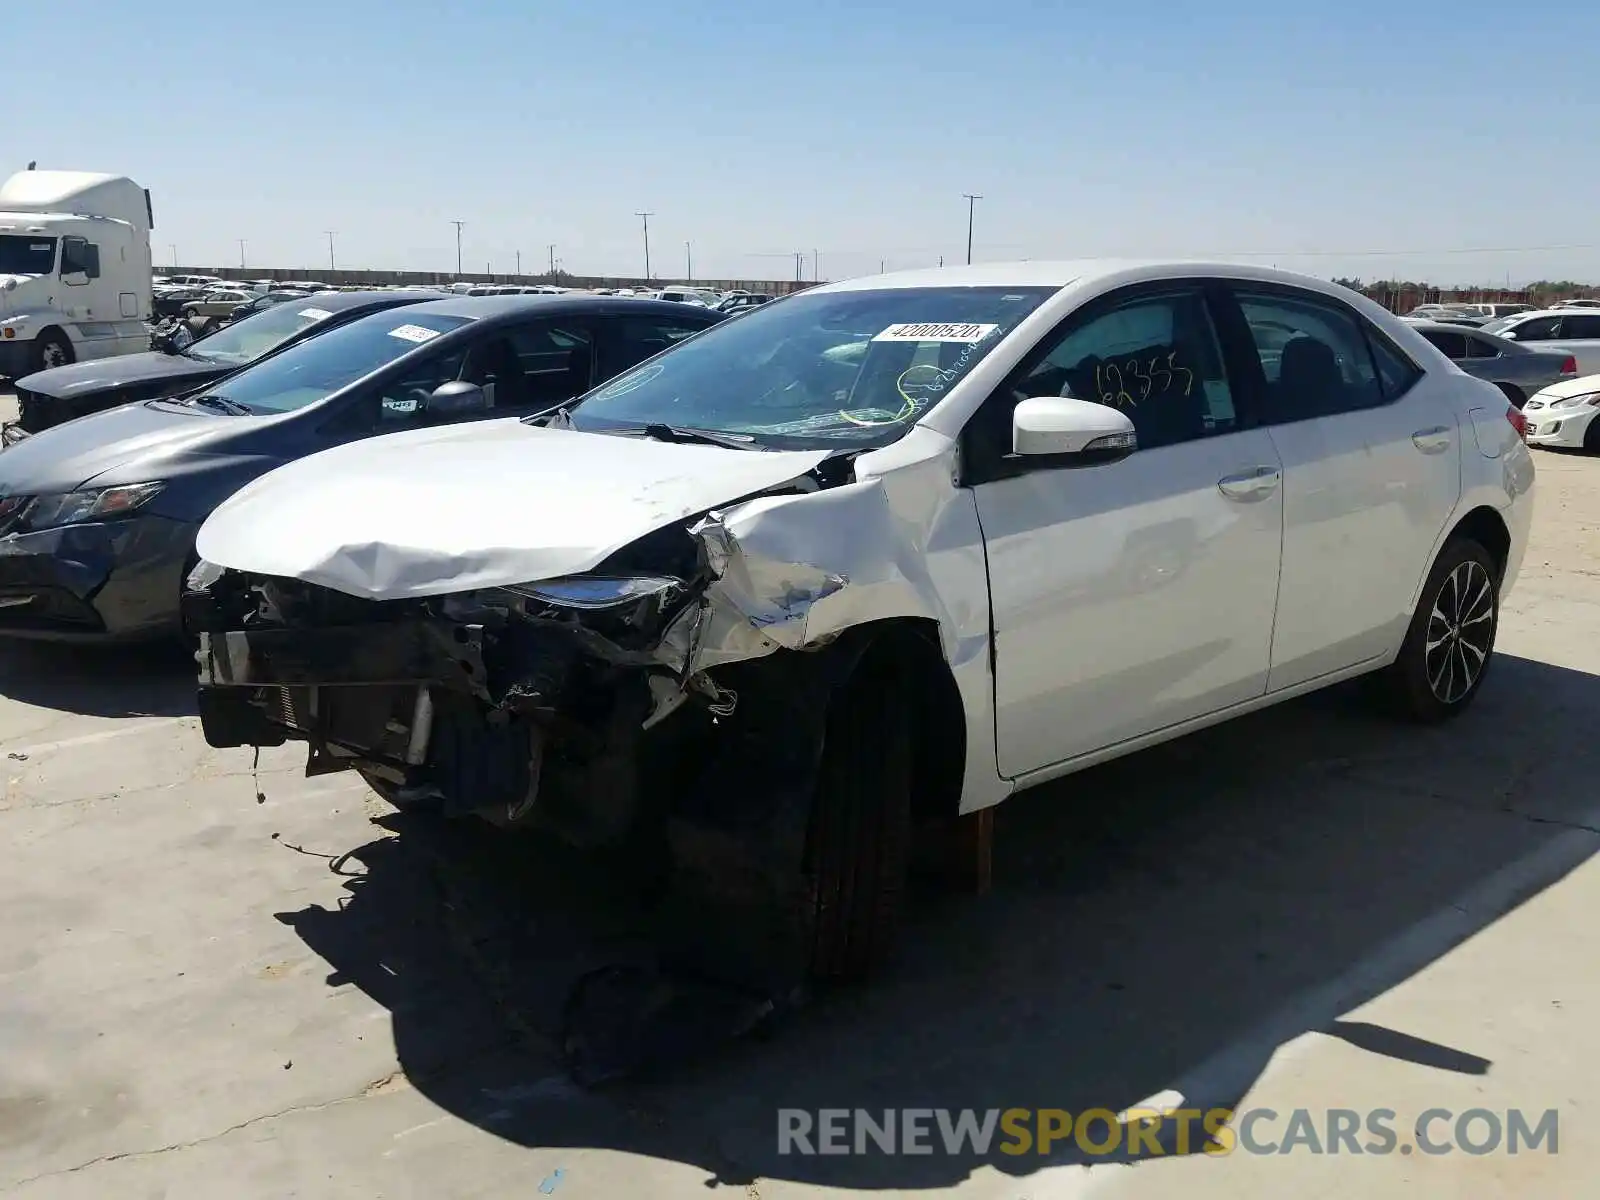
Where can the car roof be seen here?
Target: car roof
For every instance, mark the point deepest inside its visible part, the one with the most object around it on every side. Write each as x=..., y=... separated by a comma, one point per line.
x=484, y=308
x=339, y=301
x=1449, y=327
x=1077, y=273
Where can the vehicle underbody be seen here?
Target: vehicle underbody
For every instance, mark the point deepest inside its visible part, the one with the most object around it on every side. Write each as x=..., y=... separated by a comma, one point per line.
x=652, y=726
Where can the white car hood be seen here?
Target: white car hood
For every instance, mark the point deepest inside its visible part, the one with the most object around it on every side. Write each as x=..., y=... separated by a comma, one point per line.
x=1571, y=387
x=484, y=504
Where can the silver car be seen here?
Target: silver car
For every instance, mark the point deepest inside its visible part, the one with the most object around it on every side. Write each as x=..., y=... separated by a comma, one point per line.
x=1519, y=371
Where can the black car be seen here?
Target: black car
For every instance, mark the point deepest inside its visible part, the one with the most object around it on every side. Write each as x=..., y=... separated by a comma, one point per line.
x=98, y=516
x=48, y=398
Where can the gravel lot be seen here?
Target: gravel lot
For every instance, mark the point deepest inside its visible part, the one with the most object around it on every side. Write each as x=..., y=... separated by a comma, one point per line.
x=1307, y=908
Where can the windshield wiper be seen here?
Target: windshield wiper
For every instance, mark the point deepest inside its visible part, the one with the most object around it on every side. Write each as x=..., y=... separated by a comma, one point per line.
x=700, y=437
x=221, y=403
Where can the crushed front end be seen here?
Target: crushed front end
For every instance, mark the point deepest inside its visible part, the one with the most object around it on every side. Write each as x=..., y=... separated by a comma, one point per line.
x=530, y=705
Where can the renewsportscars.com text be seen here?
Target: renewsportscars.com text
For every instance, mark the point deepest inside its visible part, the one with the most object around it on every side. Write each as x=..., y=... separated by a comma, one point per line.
x=1098, y=1132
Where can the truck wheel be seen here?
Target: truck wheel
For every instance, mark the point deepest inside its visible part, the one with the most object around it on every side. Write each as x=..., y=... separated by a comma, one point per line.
x=51, y=349
x=1446, y=654
x=858, y=843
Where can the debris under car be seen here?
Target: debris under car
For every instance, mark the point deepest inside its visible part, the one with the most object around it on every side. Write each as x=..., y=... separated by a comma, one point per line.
x=669, y=703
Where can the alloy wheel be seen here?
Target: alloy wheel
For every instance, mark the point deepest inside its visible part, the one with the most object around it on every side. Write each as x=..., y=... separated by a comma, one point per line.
x=1460, y=632
x=53, y=354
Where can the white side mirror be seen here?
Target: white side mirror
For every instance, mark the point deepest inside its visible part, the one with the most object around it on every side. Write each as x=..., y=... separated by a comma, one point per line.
x=1067, y=425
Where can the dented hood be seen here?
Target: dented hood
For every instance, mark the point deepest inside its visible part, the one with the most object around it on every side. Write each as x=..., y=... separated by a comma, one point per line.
x=489, y=503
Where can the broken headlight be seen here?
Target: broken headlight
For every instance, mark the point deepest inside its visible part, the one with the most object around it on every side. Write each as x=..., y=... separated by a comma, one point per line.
x=598, y=591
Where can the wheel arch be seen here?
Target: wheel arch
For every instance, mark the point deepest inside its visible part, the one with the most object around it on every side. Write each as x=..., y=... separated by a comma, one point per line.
x=1488, y=528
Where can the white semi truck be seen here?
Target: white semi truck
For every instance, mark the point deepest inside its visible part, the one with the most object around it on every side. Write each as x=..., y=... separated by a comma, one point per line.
x=74, y=269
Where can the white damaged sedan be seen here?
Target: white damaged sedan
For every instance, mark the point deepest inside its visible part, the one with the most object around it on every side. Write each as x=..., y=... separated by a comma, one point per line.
x=869, y=558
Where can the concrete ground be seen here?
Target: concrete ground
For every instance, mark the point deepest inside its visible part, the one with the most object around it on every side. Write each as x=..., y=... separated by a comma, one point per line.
x=220, y=979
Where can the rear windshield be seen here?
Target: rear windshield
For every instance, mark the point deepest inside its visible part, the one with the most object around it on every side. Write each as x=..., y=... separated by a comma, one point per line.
x=319, y=366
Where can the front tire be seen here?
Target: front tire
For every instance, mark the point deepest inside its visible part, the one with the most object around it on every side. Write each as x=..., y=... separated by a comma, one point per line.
x=1591, y=436
x=52, y=349
x=1449, y=645
x=858, y=843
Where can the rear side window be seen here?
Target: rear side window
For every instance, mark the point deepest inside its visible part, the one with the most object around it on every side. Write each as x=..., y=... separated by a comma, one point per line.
x=1581, y=327
x=1451, y=345
x=1481, y=348
x=1315, y=355
x=1397, y=374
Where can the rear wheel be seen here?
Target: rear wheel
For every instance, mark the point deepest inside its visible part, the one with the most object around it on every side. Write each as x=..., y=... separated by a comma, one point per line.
x=859, y=839
x=1447, y=650
x=210, y=325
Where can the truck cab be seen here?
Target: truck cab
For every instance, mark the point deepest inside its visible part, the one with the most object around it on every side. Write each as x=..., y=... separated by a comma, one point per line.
x=74, y=269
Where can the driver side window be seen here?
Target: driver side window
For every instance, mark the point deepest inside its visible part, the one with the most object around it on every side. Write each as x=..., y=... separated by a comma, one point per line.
x=1155, y=357
x=401, y=400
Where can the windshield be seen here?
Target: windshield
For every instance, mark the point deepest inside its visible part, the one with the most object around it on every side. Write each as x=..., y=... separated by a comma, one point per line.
x=266, y=329
x=21, y=254
x=321, y=365
x=817, y=369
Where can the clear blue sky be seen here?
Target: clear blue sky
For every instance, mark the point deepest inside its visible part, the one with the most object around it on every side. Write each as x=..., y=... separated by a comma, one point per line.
x=1260, y=128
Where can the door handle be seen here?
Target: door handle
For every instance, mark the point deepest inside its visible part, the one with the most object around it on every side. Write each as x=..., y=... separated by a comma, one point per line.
x=1247, y=486
x=1431, y=441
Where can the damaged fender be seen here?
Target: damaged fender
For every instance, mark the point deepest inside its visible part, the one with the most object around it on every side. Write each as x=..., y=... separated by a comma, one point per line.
x=794, y=571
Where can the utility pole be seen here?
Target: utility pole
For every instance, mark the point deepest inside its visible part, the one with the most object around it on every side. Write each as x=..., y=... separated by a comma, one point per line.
x=330, y=234
x=645, y=216
x=799, y=266
x=882, y=265
x=552, y=248
x=688, y=263
x=458, y=225
x=241, y=254
x=519, y=264
x=816, y=267
x=941, y=260
x=972, y=201
x=173, y=246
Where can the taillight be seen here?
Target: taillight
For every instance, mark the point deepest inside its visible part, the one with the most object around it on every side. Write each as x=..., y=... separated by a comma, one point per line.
x=1570, y=367
x=1518, y=421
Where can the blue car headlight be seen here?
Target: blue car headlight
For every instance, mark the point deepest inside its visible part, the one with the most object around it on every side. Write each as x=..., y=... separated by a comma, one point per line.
x=96, y=504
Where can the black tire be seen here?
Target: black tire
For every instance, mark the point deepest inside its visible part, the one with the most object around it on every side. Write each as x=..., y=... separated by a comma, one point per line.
x=1438, y=672
x=1591, y=436
x=1513, y=393
x=52, y=349
x=209, y=326
x=858, y=843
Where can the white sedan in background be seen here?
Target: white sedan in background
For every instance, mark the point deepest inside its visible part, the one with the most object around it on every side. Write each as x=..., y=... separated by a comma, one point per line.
x=1563, y=414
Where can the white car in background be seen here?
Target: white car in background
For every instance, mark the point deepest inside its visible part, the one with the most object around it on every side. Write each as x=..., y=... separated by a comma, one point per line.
x=1574, y=330
x=884, y=553
x=1563, y=414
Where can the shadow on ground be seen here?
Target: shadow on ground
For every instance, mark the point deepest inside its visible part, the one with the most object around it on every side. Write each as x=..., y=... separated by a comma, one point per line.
x=1172, y=909
x=155, y=680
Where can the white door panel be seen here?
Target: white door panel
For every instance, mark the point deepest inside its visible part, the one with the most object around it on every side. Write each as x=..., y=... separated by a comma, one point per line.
x=1132, y=595
x=1365, y=497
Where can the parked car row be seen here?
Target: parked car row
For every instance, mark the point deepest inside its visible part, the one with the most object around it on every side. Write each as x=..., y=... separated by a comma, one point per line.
x=761, y=594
